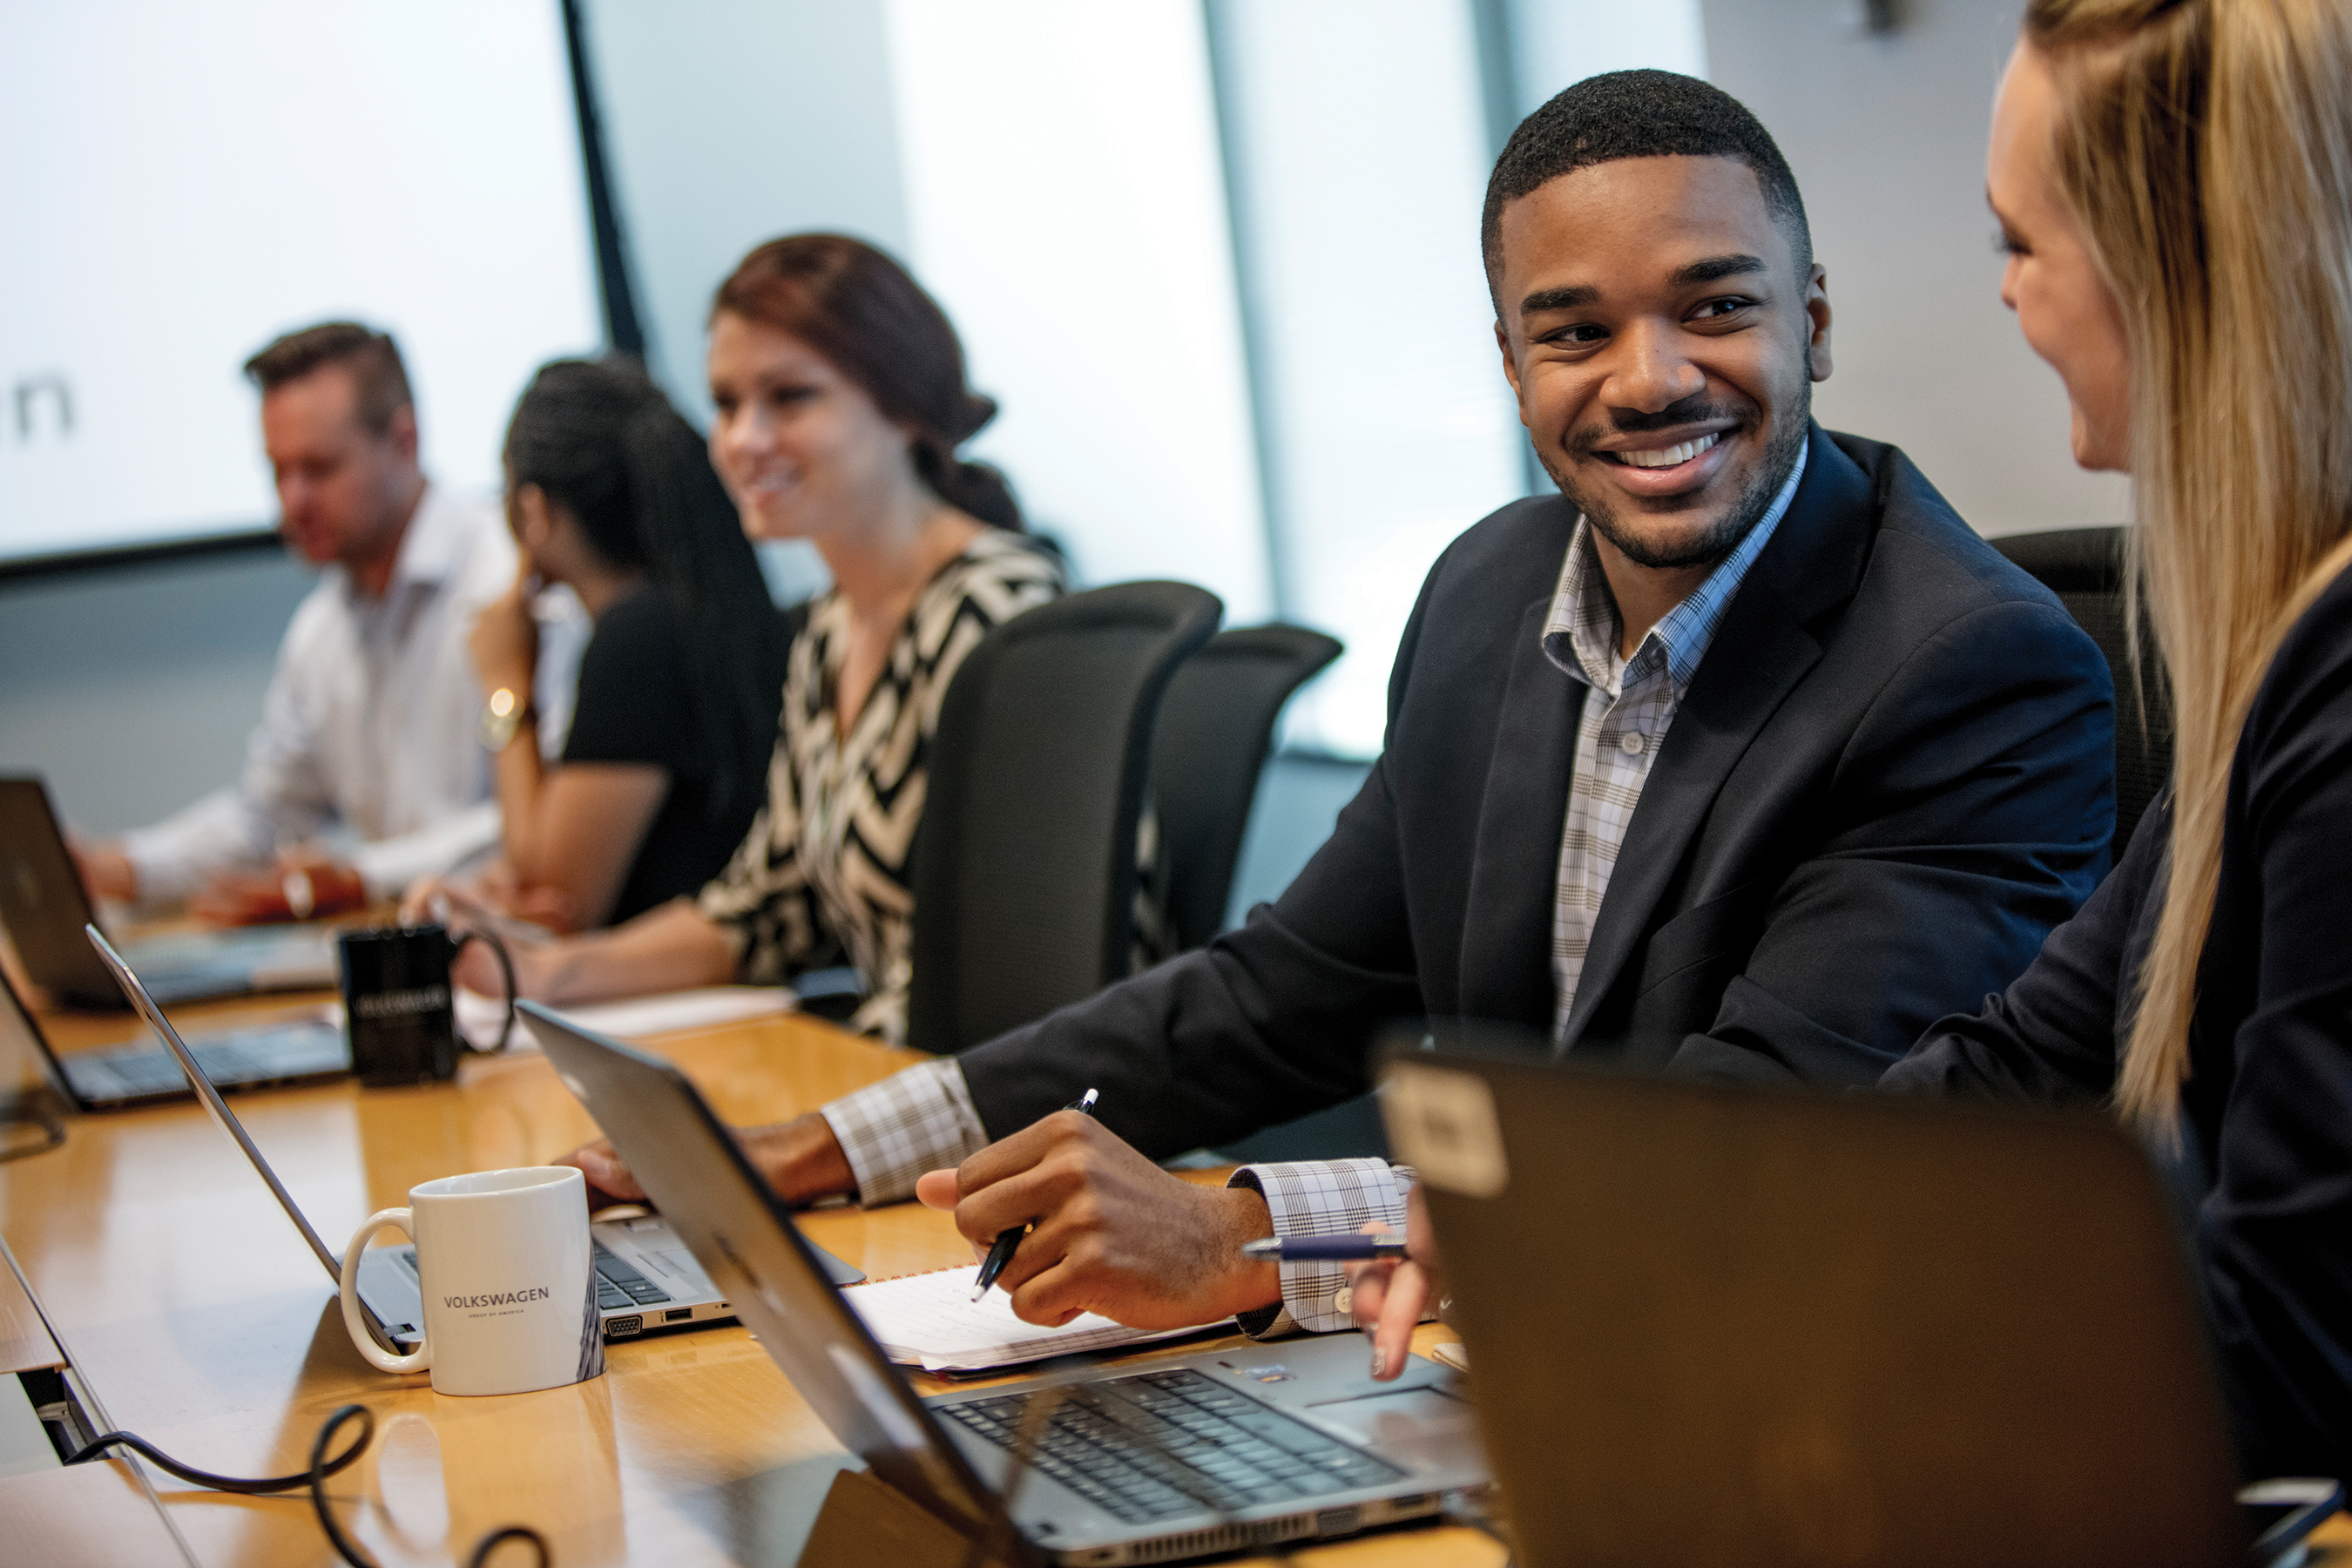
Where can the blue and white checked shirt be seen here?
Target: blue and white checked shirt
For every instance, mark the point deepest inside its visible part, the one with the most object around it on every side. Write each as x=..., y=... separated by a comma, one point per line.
x=923, y=1119
x=1628, y=706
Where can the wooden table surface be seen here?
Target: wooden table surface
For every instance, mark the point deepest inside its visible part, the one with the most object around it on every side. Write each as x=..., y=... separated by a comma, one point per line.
x=197, y=1319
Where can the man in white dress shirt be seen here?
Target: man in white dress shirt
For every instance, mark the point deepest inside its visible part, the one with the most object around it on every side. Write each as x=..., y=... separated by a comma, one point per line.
x=368, y=769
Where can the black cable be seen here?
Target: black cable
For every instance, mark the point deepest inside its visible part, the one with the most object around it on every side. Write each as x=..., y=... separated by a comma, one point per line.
x=315, y=1479
x=230, y=1483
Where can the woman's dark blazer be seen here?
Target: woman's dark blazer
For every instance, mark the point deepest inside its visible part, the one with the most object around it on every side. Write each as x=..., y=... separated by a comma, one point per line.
x=2266, y=1150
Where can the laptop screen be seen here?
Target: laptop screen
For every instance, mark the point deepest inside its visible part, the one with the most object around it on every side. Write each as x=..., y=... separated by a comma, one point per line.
x=32, y=1090
x=756, y=1256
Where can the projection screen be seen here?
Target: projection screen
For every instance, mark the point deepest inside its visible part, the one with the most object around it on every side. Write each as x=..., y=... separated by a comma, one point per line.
x=182, y=183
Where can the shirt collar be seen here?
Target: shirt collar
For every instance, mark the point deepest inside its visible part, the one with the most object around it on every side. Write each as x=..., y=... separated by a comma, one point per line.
x=434, y=548
x=1581, y=632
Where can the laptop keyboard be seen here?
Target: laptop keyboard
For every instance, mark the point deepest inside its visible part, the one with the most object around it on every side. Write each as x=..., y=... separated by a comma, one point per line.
x=1169, y=1443
x=619, y=1287
x=253, y=1056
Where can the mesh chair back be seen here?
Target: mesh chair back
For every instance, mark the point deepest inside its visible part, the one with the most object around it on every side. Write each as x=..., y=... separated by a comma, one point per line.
x=2085, y=567
x=1024, y=871
x=1216, y=725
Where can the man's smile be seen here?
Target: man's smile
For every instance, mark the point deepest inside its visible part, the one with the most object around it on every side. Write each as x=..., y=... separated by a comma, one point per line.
x=1663, y=457
x=1646, y=468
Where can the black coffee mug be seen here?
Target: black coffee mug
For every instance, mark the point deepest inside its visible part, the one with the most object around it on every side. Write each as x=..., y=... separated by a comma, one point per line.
x=398, y=1009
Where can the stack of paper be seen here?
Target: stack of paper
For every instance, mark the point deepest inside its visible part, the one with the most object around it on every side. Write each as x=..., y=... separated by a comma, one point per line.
x=931, y=1321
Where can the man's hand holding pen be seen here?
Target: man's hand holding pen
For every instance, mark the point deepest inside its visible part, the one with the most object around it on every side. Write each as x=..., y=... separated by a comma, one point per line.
x=1109, y=1232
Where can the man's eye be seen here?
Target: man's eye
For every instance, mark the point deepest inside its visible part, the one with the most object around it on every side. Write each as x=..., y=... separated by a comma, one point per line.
x=1730, y=305
x=725, y=406
x=1581, y=335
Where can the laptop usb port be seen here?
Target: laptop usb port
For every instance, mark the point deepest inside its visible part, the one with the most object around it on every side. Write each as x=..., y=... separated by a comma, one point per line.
x=678, y=1314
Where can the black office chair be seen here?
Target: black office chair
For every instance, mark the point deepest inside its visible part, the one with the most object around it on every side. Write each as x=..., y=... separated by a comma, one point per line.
x=1024, y=867
x=2085, y=567
x=1216, y=725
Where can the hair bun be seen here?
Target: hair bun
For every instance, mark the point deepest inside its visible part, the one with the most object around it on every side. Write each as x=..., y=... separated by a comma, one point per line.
x=973, y=417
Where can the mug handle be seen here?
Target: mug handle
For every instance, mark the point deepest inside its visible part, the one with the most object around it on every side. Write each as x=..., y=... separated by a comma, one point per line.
x=506, y=970
x=421, y=1359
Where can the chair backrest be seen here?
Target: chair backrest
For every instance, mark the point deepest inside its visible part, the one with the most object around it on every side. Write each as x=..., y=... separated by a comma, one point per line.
x=1216, y=725
x=2085, y=567
x=1024, y=866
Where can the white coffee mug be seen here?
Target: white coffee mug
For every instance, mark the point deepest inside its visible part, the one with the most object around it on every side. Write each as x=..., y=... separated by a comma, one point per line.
x=509, y=1288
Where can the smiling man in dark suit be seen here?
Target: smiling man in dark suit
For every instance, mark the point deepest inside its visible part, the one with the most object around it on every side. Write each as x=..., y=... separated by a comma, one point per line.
x=1744, y=756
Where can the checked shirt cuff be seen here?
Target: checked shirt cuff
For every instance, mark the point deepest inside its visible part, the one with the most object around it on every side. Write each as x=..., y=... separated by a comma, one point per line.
x=1320, y=1197
x=916, y=1120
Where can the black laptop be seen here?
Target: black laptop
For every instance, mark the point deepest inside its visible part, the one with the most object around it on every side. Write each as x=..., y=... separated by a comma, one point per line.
x=304, y=1050
x=1748, y=1326
x=45, y=908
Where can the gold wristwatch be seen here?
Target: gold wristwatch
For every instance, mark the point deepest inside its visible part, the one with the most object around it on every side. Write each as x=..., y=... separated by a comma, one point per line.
x=507, y=711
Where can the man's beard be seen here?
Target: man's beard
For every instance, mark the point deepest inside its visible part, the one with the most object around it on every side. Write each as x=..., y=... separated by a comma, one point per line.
x=1744, y=513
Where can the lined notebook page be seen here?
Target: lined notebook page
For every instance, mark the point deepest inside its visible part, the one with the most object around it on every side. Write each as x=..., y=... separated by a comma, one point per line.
x=931, y=1321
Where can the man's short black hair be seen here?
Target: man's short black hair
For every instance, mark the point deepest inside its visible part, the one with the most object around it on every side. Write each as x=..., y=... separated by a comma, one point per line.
x=1637, y=114
x=371, y=357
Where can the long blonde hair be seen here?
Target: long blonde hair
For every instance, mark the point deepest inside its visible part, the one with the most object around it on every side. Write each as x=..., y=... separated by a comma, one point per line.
x=2205, y=149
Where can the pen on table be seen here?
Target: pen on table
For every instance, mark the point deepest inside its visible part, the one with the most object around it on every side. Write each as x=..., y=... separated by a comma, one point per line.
x=1323, y=1249
x=1006, y=1240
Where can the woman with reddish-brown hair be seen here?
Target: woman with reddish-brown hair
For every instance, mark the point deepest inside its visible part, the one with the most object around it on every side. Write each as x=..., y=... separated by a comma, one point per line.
x=841, y=400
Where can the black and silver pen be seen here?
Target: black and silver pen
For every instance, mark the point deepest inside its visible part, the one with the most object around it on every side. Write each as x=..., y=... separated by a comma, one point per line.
x=1008, y=1239
x=1323, y=1249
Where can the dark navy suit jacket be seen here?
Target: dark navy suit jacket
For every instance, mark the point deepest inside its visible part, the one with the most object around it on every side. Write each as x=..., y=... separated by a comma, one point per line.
x=2266, y=1154
x=1891, y=776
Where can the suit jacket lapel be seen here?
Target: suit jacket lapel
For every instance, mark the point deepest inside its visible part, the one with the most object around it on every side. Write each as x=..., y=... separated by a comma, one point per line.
x=1761, y=651
x=1515, y=872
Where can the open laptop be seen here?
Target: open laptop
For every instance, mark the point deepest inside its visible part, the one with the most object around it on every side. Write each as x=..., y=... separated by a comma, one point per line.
x=1766, y=1326
x=302, y=1050
x=1177, y=1456
x=45, y=907
x=647, y=1280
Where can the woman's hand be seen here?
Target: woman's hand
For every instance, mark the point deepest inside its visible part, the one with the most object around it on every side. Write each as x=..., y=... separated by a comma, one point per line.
x=505, y=640
x=1389, y=1299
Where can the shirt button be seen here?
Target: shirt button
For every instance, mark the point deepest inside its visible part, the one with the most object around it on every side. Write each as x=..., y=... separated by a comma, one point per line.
x=1632, y=742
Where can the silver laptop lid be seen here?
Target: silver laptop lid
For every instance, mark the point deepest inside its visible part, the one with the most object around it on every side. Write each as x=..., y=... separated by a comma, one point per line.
x=42, y=897
x=211, y=1097
x=697, y=1176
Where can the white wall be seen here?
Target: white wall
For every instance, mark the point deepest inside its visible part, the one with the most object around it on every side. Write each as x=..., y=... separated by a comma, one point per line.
x=1886, y=136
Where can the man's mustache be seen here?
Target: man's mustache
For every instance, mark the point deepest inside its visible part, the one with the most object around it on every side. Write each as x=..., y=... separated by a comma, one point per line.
x=1691, y=410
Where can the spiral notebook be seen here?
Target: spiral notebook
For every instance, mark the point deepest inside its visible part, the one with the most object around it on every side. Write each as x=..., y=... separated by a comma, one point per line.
x=931, y=1321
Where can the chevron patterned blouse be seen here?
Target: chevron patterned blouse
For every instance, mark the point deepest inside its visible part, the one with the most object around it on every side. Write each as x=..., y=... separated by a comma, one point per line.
x=822, y=876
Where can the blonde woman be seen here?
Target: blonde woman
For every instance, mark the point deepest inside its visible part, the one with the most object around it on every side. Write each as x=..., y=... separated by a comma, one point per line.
x=2174, y=186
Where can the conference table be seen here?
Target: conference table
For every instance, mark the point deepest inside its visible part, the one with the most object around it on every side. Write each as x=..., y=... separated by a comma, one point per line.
x=192, y=1313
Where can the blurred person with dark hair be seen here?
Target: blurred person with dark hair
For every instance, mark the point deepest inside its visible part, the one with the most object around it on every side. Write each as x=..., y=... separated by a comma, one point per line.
x=366, y=771
x=612, y=494
x=841, y=401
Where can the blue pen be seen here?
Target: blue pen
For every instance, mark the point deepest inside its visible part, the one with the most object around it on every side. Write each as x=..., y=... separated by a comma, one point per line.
x=1008, y=1239
x=1324, y=1248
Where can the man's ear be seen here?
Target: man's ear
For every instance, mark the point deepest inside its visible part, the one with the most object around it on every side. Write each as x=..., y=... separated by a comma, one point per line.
x=401, y=433
x=1510, y=365
x=1817, y=312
